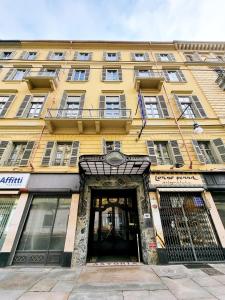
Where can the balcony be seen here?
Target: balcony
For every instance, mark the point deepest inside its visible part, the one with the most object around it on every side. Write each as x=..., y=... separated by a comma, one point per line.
x=150, y=80
x=42, y=80
x=89, y=120
x=221, y=80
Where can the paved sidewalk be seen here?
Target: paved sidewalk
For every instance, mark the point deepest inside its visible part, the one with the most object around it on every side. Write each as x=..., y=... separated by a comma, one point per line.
x=113, y=283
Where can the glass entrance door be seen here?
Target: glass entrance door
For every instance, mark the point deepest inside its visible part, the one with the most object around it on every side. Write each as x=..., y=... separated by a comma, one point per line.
x=113, y=227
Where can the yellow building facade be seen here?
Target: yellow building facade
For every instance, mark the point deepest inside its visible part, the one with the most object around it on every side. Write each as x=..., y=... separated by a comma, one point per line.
x=111, y=151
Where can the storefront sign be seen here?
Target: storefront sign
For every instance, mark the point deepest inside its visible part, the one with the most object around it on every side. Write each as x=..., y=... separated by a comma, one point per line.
x=147, y=216
x=13, y=180
x=161, y=180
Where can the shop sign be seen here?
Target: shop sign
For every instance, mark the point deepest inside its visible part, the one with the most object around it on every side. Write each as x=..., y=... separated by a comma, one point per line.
x=13, y=180
x=160, y=180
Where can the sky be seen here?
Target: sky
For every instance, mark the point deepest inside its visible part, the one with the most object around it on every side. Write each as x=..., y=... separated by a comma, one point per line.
x=147, y=20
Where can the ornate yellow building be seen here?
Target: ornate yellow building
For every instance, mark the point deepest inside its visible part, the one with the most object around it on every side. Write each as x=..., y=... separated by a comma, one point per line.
x=111, y=151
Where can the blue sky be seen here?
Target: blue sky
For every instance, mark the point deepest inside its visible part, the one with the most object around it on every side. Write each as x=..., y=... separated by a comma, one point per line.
x=151, y=20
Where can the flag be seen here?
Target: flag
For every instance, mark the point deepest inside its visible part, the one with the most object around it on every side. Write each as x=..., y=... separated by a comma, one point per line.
x=142, y=109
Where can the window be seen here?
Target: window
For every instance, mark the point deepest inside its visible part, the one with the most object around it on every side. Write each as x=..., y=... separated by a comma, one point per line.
x=111, y=56
x=56, y=55
x=83, y=56
x=164, y=57
x=162, y=153
x=174, y=76
x=112, y=106
x=151, y=106
x=35, y=106
x=3, y=101
x=144, y=73
x=112, y=74
x=206, y=151
x=72, y=106
x=31, y=55
x=190, y=106
x=110, y=146
x=62, y=154
x=16, y=74
x=185, y=103
x=48, y=72
x=6, y=55
x=16, y=154
x=79, y=75
x=139, y=56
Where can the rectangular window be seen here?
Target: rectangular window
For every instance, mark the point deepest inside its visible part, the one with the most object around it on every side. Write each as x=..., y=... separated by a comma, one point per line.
x=31, y=55
x=162, y=153
x=3, y=101
x=144, y=73
x=18, y=75
x=151, y=106
x=83, y=56
x=48, y=72
x=112, y=74
x=112, y=107
x=35, y=106
x=110, y=146
x=72, y=106
x=173, y=76
x=62, y=154
x=111, y=56
x=139, y=56
x=57, y=55
x=164, y=57
x=16, y=154
x=79, y=75
x=6, y=55
x=185, y=104
x=206, y=151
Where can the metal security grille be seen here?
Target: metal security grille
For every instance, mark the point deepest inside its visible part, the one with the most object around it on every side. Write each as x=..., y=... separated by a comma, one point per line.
x=188, y=229
x=6, y=206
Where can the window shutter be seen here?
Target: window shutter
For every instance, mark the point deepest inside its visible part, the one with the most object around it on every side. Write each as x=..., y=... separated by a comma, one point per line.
x=166, y=75
x=151, y=152
x=181, y=76
x=120, y=74
x=62, y=105
x=47, y=155
x=101, y=106
x=104, y=55
x=75, y=55
x=74, y=154
x=63, y=56
x=123, y=106
x=103, y=74
x=198, y=107
x=12, y=54
x=87, y=72
x=24, y=55
x=118, y=56
x=104, y=147
x=90, y=55
x=220, y=148
x=146, y=56
x=162, y=105
x=172, y=57
x=81, y=105
x=158, y=57
x=27, y=153
x=23, y=106
x=3, y=146
x=133, y=56
x=117, y=146
x=50, y=55
x=178, y=104
x=10, y=74
x=176, y=152
x=70, y=75
x=6, y=106
x=144, y=108
x=198, y=151
x=1, y=55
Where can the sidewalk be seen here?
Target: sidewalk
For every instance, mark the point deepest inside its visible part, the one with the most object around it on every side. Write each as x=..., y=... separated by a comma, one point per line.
x=113, y=283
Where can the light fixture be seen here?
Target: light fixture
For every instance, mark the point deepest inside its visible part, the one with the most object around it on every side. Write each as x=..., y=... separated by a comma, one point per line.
x=197, y=128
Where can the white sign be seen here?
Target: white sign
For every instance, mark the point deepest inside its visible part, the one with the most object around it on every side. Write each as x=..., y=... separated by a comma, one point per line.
x=147, y=216
x=13, y=180
x=176, y=180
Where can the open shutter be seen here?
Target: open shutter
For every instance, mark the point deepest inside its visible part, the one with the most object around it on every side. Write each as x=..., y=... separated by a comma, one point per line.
x=103, y=74
x=120, y=74
x=117, y=146
x=133, y=56
x=123, y=106
x=146, y=56
x=104, y=55
x=3, y=145
x=27, y=153
x=23, y=106
x=181, y=76
x=166, y=75
x=198, y=107
x=47, y=155
x=75, y=55
x=70, y=75
x=178, y=159
x=87, y=72
x=10, y=74
x=151, y=152
x=158, y=57
x=198, y=151
x=74, y=154
x=90, y=55
x=101, y=106
x=162, y=105
x=178, y=103
x=6, y=106
x=24, y=55
x=171, y=57
x=50, y=53
x=218, y=143
x=118, y=56
x=62, y=105
x=81, y=105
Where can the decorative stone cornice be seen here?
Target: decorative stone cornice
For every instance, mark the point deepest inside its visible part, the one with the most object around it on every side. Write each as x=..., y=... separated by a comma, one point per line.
x=196, y=46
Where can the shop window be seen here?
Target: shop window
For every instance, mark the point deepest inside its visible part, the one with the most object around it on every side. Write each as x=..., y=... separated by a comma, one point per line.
x=219, y=199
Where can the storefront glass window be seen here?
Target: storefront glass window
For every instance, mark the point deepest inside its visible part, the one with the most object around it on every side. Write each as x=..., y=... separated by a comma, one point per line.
x=219, y=199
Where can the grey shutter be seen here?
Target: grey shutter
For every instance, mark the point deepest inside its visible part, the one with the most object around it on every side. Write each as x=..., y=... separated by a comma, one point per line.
x=151, y=152
x=136, y=73
x=123, y=106
x=101, y=106
x=158, y=57
x=176, y=152
x=23, y=55
x=117, y=146
x=118, y=56
x=70, y=75
x=27, y=153
x=181, y=75
x=9, y=74
x=220, y=147
x=62, y=105
x=87, y=72
x=12, y=54
x=63, y=55
x=146, y=56
x=6, y=106
x=166, y=75
x=81, y=105
x=90, y=56
x=104, y=55
x=198, y=107
x=47, y=156
x=1, y=55
x=162, y=105
x=178, y=103
x=133, y=56
x=50, y=55
x=74, y=154
x=171, y=57
x=120, y=74
x=103, y=74
x=23, y=106
x=3, y=145
x=198, y=151
x=104, y=147
x=144, y=108
x=75, y=56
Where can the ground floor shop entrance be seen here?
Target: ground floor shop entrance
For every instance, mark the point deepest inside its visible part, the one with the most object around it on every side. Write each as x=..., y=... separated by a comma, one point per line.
x=188, y=229
x=114, y=226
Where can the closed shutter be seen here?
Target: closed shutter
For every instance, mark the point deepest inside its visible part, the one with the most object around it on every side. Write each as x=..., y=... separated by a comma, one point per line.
x=158, y=57
x=118, y=56
x=47, y=155
x=133, y=56
x=136, y=73
x=103, y=74
x=198, y=107
x=90, y=55
x=117, y=146
x=198, y=151
x=24, y=55
x=163, y=107
x=23, y=106
x=181, y=76
x=146, y=56
x=75, y=56
x=62, y=105
x=220, y=148
x=104, y=147
x=104, y=55
x=171, y=57
x=10, y=74
x=120, y=74
x=123, y=106
x=166, y=75
x=101, y=106
x=6, y=106
x=81, y=105
x=70, y=75
x=74, y=154
x=176, y=152
x=50, y=53
x=87, y=72
x=27, y=153
x=178, y=103
x=151, y=152
x=3, y=146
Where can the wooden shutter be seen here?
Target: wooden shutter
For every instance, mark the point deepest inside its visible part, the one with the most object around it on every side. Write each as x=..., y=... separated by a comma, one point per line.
x=117, y=146
x=118, y=56
x=74, y=154
x=50, y=55
x=26, y=154
x=10, y=74
x=198, y=152
x=3, y=146
x=101, y=106
x=6, y=106
x=104, y=55
x=120, y=74
x=24, y=55
x=181, y=76
x=23, y=106
x=198, y=107
x=47, y=155
x=103, y=74
x=176, y=152
x=178, y=104
x=90, y=55
x=163, y=107
x=151, y=152
x=166, y=75
x=218, y=143
x=82, y=97
x=146, y=56
x=123, y=106
x=62, y=105
x=87, y=72
x=158, y=57
x=133, y=56
x=70, y=75
x=171, y=57
x=75, y=55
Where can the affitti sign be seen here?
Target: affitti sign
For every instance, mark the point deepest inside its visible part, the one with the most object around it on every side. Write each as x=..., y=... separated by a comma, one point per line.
x=13, y=180
x=176, y=180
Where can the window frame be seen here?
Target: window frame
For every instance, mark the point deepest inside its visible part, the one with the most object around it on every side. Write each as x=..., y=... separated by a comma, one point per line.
x=158, y=145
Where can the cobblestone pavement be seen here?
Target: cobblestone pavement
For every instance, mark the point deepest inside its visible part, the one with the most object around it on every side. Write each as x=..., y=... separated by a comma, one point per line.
x=113, y=282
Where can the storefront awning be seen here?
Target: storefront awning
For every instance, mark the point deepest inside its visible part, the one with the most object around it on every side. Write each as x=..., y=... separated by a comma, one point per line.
x=181, y=189
x=114, y=163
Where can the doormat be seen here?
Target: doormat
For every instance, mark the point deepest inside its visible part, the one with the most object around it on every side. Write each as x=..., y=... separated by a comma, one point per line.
x=119, y=263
